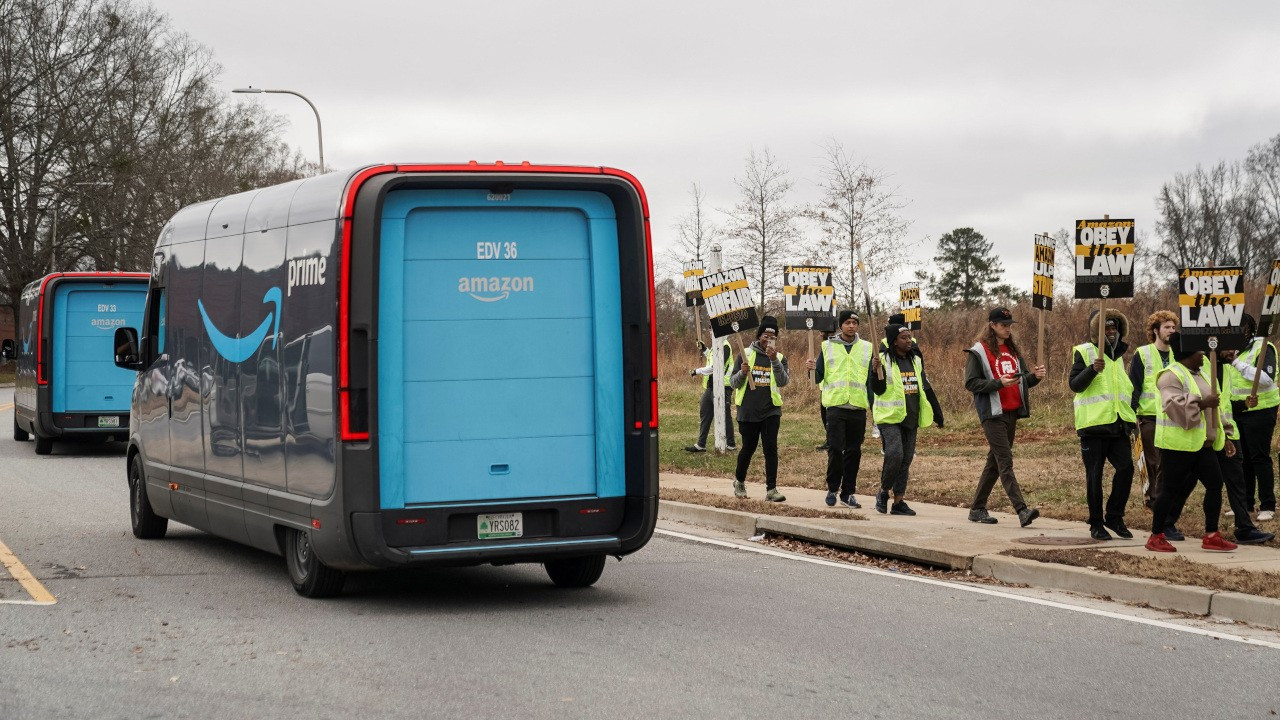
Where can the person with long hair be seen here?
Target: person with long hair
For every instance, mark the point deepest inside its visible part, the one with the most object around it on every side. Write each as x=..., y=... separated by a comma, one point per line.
x=997, y=377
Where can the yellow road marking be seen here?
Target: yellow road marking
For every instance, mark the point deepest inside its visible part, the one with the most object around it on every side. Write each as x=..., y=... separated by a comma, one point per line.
x=38, y=593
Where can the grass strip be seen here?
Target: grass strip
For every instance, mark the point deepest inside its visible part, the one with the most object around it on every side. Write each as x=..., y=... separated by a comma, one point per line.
x=1176, y=570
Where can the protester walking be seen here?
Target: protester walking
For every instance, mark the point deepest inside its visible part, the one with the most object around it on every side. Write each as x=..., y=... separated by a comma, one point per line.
x=760, y=408
x=899, y=413
x=841, y=370
x=1189, y=438
x=706, y=407
x=1232, y=465
x=1105, y=420
x=1256, y=417
x=996, y=375
x=1148, y=360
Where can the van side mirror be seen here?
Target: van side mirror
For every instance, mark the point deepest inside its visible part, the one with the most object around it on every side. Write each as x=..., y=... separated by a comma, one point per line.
x=126, y=342
x=8, y=350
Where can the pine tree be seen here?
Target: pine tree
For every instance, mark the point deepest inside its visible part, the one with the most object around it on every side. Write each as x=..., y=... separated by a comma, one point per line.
x=969, y=268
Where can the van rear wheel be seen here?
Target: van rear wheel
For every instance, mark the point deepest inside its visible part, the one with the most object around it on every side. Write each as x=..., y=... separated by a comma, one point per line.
x=18, y=433
x=147, y=525
x=576, y=572
x=44, y=445
x=310, y=577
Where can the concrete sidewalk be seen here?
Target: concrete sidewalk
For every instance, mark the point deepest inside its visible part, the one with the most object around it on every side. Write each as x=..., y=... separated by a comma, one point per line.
x=943, y=536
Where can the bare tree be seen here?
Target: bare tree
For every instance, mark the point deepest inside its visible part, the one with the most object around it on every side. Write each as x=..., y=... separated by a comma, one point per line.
x=859, y=210
x=695, y=232
x=1263, y=166
x=1212, y=215
x=763, y=222
x=110, y=121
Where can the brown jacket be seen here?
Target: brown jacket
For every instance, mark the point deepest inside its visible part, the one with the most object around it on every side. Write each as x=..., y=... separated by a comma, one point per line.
x=1182, y=407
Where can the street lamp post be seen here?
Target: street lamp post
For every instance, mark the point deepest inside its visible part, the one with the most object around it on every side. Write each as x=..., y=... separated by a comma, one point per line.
x=319, y=131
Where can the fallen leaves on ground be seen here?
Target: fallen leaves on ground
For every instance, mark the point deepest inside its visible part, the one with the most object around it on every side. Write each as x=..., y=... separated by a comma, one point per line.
x=1172, y=569
x=752, y=505
x=889, y=564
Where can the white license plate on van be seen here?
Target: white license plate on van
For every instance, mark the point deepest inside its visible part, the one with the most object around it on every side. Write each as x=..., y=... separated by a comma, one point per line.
x=499, y=525
x=112, y=421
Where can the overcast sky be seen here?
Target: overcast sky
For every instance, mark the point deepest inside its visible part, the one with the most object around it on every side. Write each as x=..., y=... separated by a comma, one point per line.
x=1012, y=117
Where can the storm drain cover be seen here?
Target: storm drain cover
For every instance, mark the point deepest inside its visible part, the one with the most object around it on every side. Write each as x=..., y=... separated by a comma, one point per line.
x=1057, y=540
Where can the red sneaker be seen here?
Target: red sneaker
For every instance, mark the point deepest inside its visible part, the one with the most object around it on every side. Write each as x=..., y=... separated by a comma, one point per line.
x=1215, y=541
x=1157, y=543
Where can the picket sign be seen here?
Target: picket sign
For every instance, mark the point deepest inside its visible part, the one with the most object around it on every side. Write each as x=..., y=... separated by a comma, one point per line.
x=1268, y=299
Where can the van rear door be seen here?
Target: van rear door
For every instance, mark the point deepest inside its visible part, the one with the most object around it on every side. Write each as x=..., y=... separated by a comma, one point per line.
x=499, y=347
x=85, y=317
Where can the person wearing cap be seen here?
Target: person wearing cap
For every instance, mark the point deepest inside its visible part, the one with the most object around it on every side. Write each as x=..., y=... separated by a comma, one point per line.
x=760, y=407
x=706, y=407
x=1256, y=417
x=841, y=370
x=1189, y=438
x=1147, y=361
x=996, y=375
x=900, y=414
x=1231, y=462
x=1104, y=419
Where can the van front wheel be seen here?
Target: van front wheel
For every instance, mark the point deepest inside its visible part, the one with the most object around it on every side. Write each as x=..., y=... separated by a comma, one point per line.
x=18, y=433
x=44, y=445
x=576, y=572
x=147, y=525
x=310, y=577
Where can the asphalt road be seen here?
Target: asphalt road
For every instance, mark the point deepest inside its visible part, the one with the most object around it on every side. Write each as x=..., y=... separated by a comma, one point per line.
x=194, y=626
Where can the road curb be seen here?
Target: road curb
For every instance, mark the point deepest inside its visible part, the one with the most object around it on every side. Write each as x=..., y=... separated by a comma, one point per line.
x=733, y=521
x=1157, y=594
x=1252, y=609
x=801, y=530
x=1242, y=607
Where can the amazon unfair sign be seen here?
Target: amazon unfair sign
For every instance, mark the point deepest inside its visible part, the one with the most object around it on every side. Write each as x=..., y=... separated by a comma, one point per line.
x=728, y=299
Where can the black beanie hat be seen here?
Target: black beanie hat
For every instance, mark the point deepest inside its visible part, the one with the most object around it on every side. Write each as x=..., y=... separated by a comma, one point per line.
x=1175, y=343
x=892, y=330
x=845, y=315
x=898, y=319
x=768, y=322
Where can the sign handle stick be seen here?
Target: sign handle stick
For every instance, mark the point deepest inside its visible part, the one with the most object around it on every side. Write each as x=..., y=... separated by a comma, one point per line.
x=866, y=296
x=697, y=323
x=1102, y=327
x=1262, y=353
x=1213, y=387
x=751, y=380
x=1040, y=340
x=809, y=373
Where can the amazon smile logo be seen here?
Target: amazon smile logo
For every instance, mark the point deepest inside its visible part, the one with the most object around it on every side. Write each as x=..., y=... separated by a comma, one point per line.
x=239, y=349
x=493, y=289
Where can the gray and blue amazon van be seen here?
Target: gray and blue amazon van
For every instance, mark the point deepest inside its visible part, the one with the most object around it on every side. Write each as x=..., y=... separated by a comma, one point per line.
x=66, y=387
x=404, y=365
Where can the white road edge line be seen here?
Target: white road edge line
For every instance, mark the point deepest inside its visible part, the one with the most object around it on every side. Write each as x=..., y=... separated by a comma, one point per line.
x=23, y=602
x=972, y=589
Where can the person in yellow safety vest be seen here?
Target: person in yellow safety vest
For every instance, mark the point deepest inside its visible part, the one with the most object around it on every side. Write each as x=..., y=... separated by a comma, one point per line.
x=841, y=370
x=706, y=407
x=1231, y=464
x=1148, y=360
x=900, y=413
x=760, y=409
x=1104, y=421
x=1256, y=417
x=1189, y=436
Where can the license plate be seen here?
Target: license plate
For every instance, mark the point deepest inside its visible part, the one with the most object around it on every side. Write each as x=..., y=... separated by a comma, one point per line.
x=500, y=525
x=109, y=421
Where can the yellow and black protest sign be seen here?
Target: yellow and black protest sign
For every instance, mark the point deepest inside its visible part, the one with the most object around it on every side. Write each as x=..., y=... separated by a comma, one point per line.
x=728, y=298
x=1270, y=301
x=909, y=302
x=1104, y=258
x=692, y=290
x=1042, y=273
x=808, y=298
x=1211, y=306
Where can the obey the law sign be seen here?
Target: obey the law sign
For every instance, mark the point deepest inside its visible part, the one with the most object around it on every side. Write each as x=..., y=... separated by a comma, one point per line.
x=808, y=295
x=1210, y=308
x=1104, y=258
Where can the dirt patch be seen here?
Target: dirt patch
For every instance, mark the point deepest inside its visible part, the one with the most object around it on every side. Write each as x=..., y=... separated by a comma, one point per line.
x=892, y=565
x=1172, y=569
x=750, y=505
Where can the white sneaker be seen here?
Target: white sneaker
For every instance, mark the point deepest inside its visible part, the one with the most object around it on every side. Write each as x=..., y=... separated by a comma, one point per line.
x=1267, y=515
x=1231, y=513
